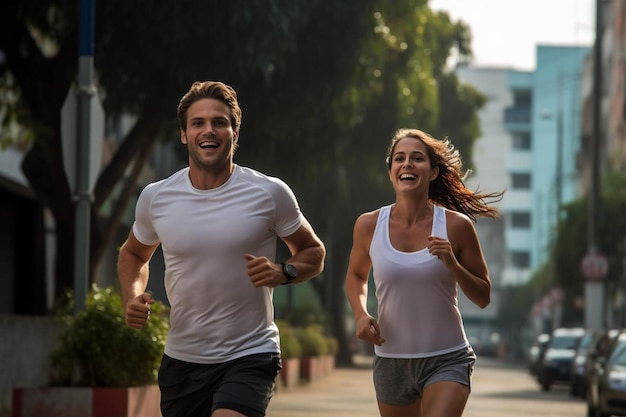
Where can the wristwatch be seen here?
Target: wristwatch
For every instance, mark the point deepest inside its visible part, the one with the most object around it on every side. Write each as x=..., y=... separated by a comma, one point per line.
x=290, y=272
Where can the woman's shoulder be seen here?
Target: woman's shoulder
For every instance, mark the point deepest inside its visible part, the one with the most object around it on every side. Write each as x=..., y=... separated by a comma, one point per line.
x=456, y=219
x=367, y=220
x=369, y=215
x=455, y=215
x=364, y=228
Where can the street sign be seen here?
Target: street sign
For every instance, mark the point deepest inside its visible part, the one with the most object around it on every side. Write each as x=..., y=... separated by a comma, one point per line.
x=69, y=129
x=594, y=266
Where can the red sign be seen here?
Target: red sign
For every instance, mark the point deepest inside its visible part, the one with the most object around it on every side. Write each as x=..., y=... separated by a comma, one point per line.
x=594, y=266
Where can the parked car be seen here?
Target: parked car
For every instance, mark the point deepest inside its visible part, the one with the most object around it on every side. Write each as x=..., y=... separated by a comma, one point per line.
x=585, y=345
x=606, y=394
x=584, y=360
x=556, y=364
x=536, y=351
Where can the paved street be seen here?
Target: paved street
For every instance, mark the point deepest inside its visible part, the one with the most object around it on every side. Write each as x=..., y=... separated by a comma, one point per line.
x=505, y=391
x=498, y=390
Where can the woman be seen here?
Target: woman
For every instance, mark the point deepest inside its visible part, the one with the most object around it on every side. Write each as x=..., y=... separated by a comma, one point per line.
x=420, y=248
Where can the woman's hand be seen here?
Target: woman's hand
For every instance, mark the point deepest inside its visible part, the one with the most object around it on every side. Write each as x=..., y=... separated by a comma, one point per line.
x=367, y=329
x=442, y=249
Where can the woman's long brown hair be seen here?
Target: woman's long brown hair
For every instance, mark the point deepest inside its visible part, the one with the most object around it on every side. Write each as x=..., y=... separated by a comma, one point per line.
x=448, y=189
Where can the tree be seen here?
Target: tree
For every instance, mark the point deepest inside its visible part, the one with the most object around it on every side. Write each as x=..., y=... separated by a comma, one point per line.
x=570, y=244
x=143, y=74
x=403, y=64
x=323, y=86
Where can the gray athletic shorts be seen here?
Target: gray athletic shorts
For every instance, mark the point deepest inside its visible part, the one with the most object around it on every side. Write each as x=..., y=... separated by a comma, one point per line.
x=402, y=381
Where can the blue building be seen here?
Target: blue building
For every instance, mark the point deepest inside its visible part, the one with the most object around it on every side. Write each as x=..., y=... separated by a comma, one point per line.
x=545, y=124
x=531, y=133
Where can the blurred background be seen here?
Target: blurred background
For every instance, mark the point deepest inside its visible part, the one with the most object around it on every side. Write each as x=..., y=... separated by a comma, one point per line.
x=88, y=97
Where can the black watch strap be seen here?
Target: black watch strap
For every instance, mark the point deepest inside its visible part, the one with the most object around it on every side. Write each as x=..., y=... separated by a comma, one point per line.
x=289, y=271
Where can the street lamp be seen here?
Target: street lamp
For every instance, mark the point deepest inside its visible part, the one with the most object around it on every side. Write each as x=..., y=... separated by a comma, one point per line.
x=558, y=177
x=594, y=289
x=555, y=304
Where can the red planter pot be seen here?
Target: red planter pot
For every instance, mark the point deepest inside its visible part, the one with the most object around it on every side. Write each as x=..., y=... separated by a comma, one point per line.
x=290, y=374
x=311, y=368
x=87, y=402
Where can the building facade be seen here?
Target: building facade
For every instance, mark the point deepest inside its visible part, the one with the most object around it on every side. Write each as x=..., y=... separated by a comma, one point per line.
x=490, y=175
x=545, y=123
x=529, y=146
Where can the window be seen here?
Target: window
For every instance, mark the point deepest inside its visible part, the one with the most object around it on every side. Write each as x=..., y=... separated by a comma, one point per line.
x=520, y=180
x=521, y=141
x=520, y=259
x=520, y=220
x=523, y=98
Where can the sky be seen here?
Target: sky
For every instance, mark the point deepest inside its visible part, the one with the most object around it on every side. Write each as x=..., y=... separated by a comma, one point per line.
x=505, y=33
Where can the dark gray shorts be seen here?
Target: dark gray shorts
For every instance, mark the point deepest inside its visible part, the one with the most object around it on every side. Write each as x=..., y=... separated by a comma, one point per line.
x=245, y=385
x=402, y=381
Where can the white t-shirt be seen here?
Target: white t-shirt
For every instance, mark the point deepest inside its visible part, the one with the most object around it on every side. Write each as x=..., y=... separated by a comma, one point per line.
x=418, y=311
x=216, y=313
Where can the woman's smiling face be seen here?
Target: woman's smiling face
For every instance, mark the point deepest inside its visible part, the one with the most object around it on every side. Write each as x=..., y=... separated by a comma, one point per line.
x=410, y=165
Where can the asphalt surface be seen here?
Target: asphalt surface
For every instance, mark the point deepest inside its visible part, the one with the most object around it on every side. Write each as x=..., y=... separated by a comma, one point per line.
x=499, y=389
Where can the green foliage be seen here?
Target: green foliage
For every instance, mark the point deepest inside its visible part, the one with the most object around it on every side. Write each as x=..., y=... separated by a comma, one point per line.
x=332, y=345
x=515, y=302
x=261, y=33
x=312, y=340
x=615, y=189
x=15, y=122
x=289, y=344
x=572, y=242
x=97, y=348
x=570, y=245
x=460, y=121
x=337, y=78
x=307, y=341
x=303, y=315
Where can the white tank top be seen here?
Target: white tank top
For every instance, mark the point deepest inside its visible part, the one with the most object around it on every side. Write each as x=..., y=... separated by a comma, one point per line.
x=418, y=311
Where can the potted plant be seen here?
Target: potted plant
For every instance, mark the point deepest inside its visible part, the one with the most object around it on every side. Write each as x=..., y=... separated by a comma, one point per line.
x=100, y=366
x=314, y=346
x=291, y=351
x=332, y=348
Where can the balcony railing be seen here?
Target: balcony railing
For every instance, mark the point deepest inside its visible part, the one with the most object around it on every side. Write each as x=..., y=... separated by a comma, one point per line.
x=517, y=115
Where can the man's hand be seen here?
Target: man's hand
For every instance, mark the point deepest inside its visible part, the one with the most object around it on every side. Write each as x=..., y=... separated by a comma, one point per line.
x=137, y=310
x=263, y=272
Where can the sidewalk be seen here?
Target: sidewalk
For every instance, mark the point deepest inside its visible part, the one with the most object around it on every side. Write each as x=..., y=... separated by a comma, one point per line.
x=346, y=392
x=349, y=392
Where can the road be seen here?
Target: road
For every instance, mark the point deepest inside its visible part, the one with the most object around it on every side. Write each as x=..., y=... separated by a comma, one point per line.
x=499, y=390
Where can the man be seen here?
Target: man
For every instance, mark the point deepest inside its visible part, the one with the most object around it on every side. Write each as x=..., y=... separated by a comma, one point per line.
x=217, y=224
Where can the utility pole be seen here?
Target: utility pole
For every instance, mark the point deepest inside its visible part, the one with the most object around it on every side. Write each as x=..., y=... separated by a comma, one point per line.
x=594, y=184
x=594, y=287
x=82, y=192
x=559, y=154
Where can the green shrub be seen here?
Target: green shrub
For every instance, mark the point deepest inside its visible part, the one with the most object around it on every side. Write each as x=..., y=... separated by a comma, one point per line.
x=312, y=340
x=289, y=344
x=96, y=348
x=332, y=346
x=303, y=315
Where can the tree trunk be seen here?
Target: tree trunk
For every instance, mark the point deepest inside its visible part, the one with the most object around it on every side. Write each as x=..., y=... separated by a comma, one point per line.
x=43, y=167
x=331, y=292
x=104, y=230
